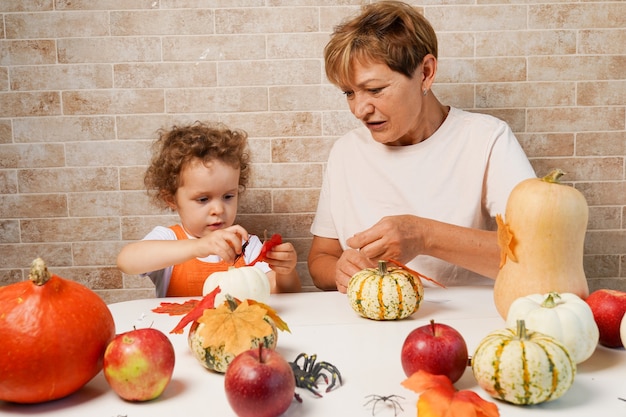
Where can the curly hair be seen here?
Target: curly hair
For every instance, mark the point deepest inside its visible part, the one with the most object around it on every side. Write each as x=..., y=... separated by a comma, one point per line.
x=178, y=146
x=389, y=32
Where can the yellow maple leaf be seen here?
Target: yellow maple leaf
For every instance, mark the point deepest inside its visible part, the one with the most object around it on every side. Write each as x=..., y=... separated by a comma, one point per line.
x=234, y=329
x=506, y=241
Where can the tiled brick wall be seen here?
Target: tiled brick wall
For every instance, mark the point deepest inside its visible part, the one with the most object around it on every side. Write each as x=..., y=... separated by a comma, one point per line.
x=84, y=85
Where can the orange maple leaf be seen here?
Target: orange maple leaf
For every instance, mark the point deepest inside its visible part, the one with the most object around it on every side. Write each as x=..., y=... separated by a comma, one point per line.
x=506, y=241
x=234, y=329
x=280, y=323
x=439, y=398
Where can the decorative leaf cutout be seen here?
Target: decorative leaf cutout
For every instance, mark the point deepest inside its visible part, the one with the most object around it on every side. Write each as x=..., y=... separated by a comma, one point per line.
x=280, y=324
x=176, y=309
x=207, y=302
x=268, y=245
x=439, y=398
x=505, y=241
x=415, y=273
x=233, y=328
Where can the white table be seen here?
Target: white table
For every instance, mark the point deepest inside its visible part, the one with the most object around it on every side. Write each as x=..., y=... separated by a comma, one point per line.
x=366, y=352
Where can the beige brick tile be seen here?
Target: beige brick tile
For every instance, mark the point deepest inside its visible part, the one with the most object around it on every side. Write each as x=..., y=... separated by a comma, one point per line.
x=162, y=22
x=6, y=131
x=301, y=149
x=602, y=218
x=4, y=79
x=70, y=229
x=547, y=144
x=22, y=104
x=599, y=93
x=276, y=124
x=260, y=149
x=602, y=41
x=63, y=129
x=113, y=102
x=18, y=206
x=285, y=175
x=27, y=52
x=96, y=253
x=314, y=97
x=516, y=118
x=541, y=94
x=8, y=181
x=477, y=18
x=25, y=156
x=605, y=242
x=295, y=200
x=55, y=77
x=577, y=15
x=612, y=283
x=56, y=25
x=104, y=4
x=114, y=203
x=332, y=16
x=269, y=72
x=575, y=119
x=146, y=126
x=600, y=266
x=255, y=201
x=290, y=226
x=563, y=68
x=481, y=70
x=216, y=100
x=9, y=231
x=456, y=95
x=136, y=227
x=118, y=296
x=108, y=50
x=94, y=278
x=10, y=276
x=214, y=48
x=608, y=193
x=165, y=75
x=456, y=44
x=54, y=254
x=583, y=169
x=110, y=153
x=138, y=282
x=296, y=45
x=131, y=178
x=67, y=180
x=26, y=6
x=267, y=20
x=524, y=43
x=338, y=123
x=601, y=143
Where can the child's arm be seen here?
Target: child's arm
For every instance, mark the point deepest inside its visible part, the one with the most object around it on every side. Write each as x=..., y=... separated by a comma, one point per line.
x=151, y=255
x=283, y=276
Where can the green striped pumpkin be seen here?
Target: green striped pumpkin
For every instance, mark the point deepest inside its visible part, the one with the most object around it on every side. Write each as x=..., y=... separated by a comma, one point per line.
x=385, y=293
x=523, y=367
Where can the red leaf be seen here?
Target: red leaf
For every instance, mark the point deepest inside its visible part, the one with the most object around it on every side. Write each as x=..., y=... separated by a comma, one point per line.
x=208, y=301
x=176, y=309
x=268, y=245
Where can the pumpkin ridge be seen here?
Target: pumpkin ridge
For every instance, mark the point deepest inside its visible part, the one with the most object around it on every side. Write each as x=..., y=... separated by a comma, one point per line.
x=381, y=302
x=400, y=299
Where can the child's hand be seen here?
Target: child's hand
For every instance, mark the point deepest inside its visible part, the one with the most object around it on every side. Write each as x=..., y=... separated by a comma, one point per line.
x=282, y=258
x=225, y=243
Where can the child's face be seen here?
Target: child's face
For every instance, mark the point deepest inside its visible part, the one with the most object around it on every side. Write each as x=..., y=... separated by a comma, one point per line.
x=207, y=197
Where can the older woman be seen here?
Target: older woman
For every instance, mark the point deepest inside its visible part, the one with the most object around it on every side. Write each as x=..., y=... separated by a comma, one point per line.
x=419, y=182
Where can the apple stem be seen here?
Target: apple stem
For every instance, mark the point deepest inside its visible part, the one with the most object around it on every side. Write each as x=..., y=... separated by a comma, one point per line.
x=261, y=353
x=432, y=326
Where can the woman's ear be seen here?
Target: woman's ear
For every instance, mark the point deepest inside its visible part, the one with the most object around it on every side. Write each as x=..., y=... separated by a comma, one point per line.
x=429, y=70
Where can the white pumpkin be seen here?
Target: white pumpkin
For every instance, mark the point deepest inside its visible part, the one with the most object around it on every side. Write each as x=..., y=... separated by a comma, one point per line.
x=244, y=283
x=566, y=317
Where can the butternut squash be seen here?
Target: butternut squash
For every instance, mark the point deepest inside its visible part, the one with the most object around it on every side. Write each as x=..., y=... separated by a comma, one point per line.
x=541, y=241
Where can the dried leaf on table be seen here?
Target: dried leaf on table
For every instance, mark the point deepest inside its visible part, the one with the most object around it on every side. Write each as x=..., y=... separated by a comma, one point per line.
x=505, y=241
x=207, y=302
x=439, y=398
x=233, y=329
x=176, y=309
x=280, y=324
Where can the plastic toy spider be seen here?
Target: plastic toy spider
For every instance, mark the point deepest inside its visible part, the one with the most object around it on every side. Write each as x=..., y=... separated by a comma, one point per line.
x=389, y=399
x=309, y=373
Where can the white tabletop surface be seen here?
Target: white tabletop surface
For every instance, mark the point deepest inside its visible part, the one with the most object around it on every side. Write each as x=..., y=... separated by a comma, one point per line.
x=366, y=352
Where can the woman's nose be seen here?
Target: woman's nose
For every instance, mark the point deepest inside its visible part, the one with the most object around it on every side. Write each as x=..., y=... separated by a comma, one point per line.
x=361, y=107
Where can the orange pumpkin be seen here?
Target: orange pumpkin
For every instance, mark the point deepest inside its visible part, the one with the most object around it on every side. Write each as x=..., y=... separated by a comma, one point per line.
x=54, y=334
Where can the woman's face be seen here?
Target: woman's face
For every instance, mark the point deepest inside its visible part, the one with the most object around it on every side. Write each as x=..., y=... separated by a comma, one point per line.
x=207, y=198
x=387, y=102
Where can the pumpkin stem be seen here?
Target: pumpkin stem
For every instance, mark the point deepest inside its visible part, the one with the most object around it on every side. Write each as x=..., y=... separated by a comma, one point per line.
x=521, y=330
x=232, y=304
x=382, y=267
x=553, y=176
x=39, y=273
x=551, y=300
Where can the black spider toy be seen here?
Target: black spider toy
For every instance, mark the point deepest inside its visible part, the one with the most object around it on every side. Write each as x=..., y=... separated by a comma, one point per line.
x=311, y=371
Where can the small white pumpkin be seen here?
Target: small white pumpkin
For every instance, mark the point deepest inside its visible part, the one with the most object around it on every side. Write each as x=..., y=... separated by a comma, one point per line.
x=243, y=283
x=522, y=366
x=566, y=317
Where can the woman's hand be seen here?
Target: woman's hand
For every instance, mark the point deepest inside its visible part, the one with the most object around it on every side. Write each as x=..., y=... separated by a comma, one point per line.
x=350, y=262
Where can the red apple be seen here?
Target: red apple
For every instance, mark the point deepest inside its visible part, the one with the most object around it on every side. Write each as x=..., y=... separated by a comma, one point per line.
x=259, y=383
x=435, y=348
x=138, y=364
x=608, y=308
